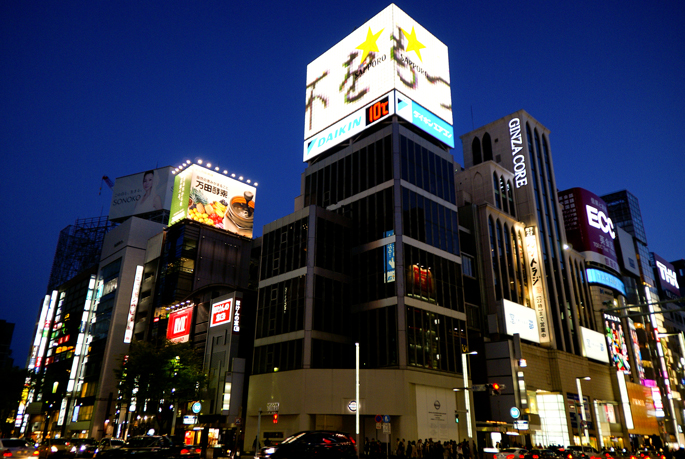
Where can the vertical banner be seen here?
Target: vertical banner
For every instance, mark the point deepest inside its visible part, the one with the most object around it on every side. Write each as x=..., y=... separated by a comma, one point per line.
x=389, y=259
x=538, y=288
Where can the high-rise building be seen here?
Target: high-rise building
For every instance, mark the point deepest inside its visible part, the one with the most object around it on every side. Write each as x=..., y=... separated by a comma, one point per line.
x=371, y=253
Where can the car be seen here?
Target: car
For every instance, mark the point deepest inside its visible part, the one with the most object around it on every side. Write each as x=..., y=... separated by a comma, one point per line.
x=511, y=453
x=85, y=447
x=109, y=443
x=320, y=444
x=151, y=447
x=543, y=454
x=54, y=448
x=16, y=448
x=585, y=452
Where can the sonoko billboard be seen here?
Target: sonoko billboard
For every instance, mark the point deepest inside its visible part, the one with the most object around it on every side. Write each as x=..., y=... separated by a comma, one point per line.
x=213, y=199
x=389, y=51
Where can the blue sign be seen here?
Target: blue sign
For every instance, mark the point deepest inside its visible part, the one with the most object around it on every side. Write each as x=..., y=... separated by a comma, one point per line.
x=595, y=276
x=425, y=120
x=389, y=257
x=386, y=418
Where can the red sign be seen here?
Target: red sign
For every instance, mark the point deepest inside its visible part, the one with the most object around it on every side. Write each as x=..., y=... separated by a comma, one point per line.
x=221, y=312
x=178, y=329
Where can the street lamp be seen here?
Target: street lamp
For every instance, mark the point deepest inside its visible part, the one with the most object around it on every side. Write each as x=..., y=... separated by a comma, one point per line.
x=582, y=407
x=467, y=395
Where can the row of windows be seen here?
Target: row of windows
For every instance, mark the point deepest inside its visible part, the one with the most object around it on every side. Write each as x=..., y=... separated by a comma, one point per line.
x=332, y=243
x=372, y=216
x=434, y=341
x=427, y=170
x=370, y=276
x=427, y=221
x=281, y=308
x=331, y=306
x=278, y=357
x=284, y=249
x=481, y=151
x=356, y=172
x=378, y=333
x=504, y=194
x=433, y=279
x=508, y=263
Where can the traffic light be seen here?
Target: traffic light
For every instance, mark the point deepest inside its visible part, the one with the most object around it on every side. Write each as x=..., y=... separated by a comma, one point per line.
x=275, y=418
x=495, y=388
x=456, y=418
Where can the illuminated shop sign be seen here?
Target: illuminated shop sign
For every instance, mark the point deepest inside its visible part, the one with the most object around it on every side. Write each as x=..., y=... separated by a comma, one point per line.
x=236, y=316
x=522, y=320
x=130, y=320
x=594, y=345
x=389, y=259
x=538, y=288
x=213, y=199
x=618, y=348
x=350, y=126
x=588, y=229
x=420, y=283
x=178, y=328
x=221, y=312
x=141, y=193
x=666, y=275
x=518, y=159
x=424, y=120
x=636, y=350
x=389, y=51
x=595, y=276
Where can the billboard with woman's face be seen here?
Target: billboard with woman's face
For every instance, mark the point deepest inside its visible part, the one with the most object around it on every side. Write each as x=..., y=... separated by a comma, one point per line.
x=141, y=193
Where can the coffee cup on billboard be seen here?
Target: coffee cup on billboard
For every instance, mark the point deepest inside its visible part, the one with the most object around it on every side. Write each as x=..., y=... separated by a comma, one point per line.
x=240, y=212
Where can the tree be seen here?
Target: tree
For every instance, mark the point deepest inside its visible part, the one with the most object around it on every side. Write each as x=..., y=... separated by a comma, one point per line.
x=152, y=381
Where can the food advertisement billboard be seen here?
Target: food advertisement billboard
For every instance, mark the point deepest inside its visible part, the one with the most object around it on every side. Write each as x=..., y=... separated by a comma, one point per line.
x=178, y=328
x=588, y=226
x=213, y=199
x=389, y=51
x=665, y=272
x=141, y=193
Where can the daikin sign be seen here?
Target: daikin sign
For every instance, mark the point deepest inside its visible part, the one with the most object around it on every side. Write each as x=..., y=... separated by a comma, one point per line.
x=390, y=51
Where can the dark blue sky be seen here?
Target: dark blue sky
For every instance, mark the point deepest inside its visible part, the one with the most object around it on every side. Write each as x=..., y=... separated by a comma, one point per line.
x=113, y=88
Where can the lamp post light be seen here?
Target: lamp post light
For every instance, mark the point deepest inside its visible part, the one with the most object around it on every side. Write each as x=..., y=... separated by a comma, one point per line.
x=467, y=395
x=582, y=407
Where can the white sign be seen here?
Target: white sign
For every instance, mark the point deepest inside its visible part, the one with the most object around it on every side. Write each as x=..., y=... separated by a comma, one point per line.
x=598, y=219
x=516, y=146
x=520, y=319
x=130, y=320
x=537, y=282
x=141, y=193
x=389, y=51
x=594, y=345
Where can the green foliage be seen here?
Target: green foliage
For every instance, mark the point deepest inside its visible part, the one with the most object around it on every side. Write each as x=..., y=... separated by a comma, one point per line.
x=172, y=373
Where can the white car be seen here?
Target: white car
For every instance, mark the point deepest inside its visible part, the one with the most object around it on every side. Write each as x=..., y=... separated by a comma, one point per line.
x=16, y=448
x=511, y=453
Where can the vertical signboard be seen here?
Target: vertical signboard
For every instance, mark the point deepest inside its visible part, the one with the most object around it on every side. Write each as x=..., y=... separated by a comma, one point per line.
x=130, y=320
x=537, y=284
x=389, y=259
x=178, y=328
x=616, y=340
x=213, y=199
x=636, y=350
x=588, y=226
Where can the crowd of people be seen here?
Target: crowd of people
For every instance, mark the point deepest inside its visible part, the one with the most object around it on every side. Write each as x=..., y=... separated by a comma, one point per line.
x=421, y=449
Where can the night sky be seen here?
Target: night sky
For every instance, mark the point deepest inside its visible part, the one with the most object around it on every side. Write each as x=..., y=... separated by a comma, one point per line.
x=114, y=88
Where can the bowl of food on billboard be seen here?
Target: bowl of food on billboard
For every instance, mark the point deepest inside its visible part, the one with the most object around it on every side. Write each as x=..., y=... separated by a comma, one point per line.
x=213, y=199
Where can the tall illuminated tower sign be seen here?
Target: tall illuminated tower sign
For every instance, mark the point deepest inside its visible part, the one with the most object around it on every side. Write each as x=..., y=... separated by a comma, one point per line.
x=389, y=65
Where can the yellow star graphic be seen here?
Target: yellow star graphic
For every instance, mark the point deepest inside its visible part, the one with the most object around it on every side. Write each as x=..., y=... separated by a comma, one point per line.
x=414, y=44
x=370, y=43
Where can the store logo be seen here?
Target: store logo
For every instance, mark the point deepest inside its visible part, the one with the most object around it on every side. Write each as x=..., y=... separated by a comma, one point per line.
x=180, y=324
x=414, y=44
x=598, y=219
x=516, y=146
x=668, y=275
x=369, y=45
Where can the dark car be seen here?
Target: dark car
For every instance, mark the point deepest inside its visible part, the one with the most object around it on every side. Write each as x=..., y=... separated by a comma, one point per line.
x=543, y=454
x=53, y=448
x=151, y=447
x=312, y=444
x=108, y=443
x=16, y=448
x=85, y=447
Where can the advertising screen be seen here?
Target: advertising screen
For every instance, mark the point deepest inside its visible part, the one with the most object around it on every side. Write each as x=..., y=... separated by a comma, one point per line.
x=221, y=312
x=141, y=193
x=522, y=320
x=213, y=199
x=588, y=226
x=636, y=350
x=389, y=51
x=595, y=276
x=665, y=272
x=178, y=328
x=618, y=348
